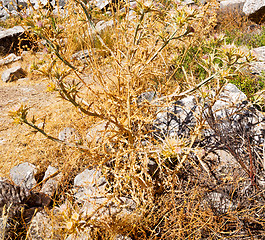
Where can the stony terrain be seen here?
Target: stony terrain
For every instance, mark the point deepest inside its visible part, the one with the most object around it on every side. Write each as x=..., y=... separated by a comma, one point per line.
x=32, y=173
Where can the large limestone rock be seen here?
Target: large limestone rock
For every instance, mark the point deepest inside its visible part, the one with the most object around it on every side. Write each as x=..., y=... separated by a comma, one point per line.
x=255, y=9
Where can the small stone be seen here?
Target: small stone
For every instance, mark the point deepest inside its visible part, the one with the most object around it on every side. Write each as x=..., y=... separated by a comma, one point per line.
x=13, y=74
x=147, y=96
x=260, y=53
x=81, y=55
x=23, y=175
x=220, y=202
x=101, y=207
x=69, y=135
x=122, y=237
x=42, y=227
x=229, y=100
x=9, y=59
x=89, y=183
x=101, y=4
x=51, y=185
x=99, y=131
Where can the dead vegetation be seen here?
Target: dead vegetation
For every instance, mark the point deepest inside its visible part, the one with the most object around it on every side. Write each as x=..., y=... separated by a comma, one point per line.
x=169, y=50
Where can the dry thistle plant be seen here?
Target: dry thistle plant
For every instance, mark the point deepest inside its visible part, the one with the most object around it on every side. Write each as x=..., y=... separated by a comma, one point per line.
x=161, y=49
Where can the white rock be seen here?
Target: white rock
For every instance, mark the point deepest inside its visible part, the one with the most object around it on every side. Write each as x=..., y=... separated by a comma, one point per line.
x=100, y=207
x=42, y=227
x=252, y=6
x=102, y=3
x=13, y=74
x=69, y=134
x=99, y=131
x=9, y=59
x=260, y=53
x=220, y=202
x=257, y=67
x=11, y=32
x=232, y=6
x=23, y=175
x=51, y=185
x=89, y=183
x=228, y=101
x=122, y=237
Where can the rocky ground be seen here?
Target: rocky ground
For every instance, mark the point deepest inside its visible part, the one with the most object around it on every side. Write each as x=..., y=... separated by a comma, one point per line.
x=33, y=180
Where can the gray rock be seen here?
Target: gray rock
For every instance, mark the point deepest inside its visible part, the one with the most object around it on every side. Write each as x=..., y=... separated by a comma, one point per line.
x=89, y=183
x=51, y=185
x=100, y=131
x=81, y=55
x=176, y=119
x=226, y=162
x=255, y=9
x=232, y=6
x=8, y=36
x=101, y=207
x=220, y=202
x=229, y=100
x=122, y=237
x=147, y=96
x=257, y=68
x=13, y=74
x=101, y=4
x=42, y=227
x=259, y=53
x=69, y=135
x=23, y=175
x=9, y=59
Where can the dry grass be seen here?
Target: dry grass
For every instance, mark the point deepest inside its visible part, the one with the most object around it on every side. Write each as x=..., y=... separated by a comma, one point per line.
x=163, y=48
